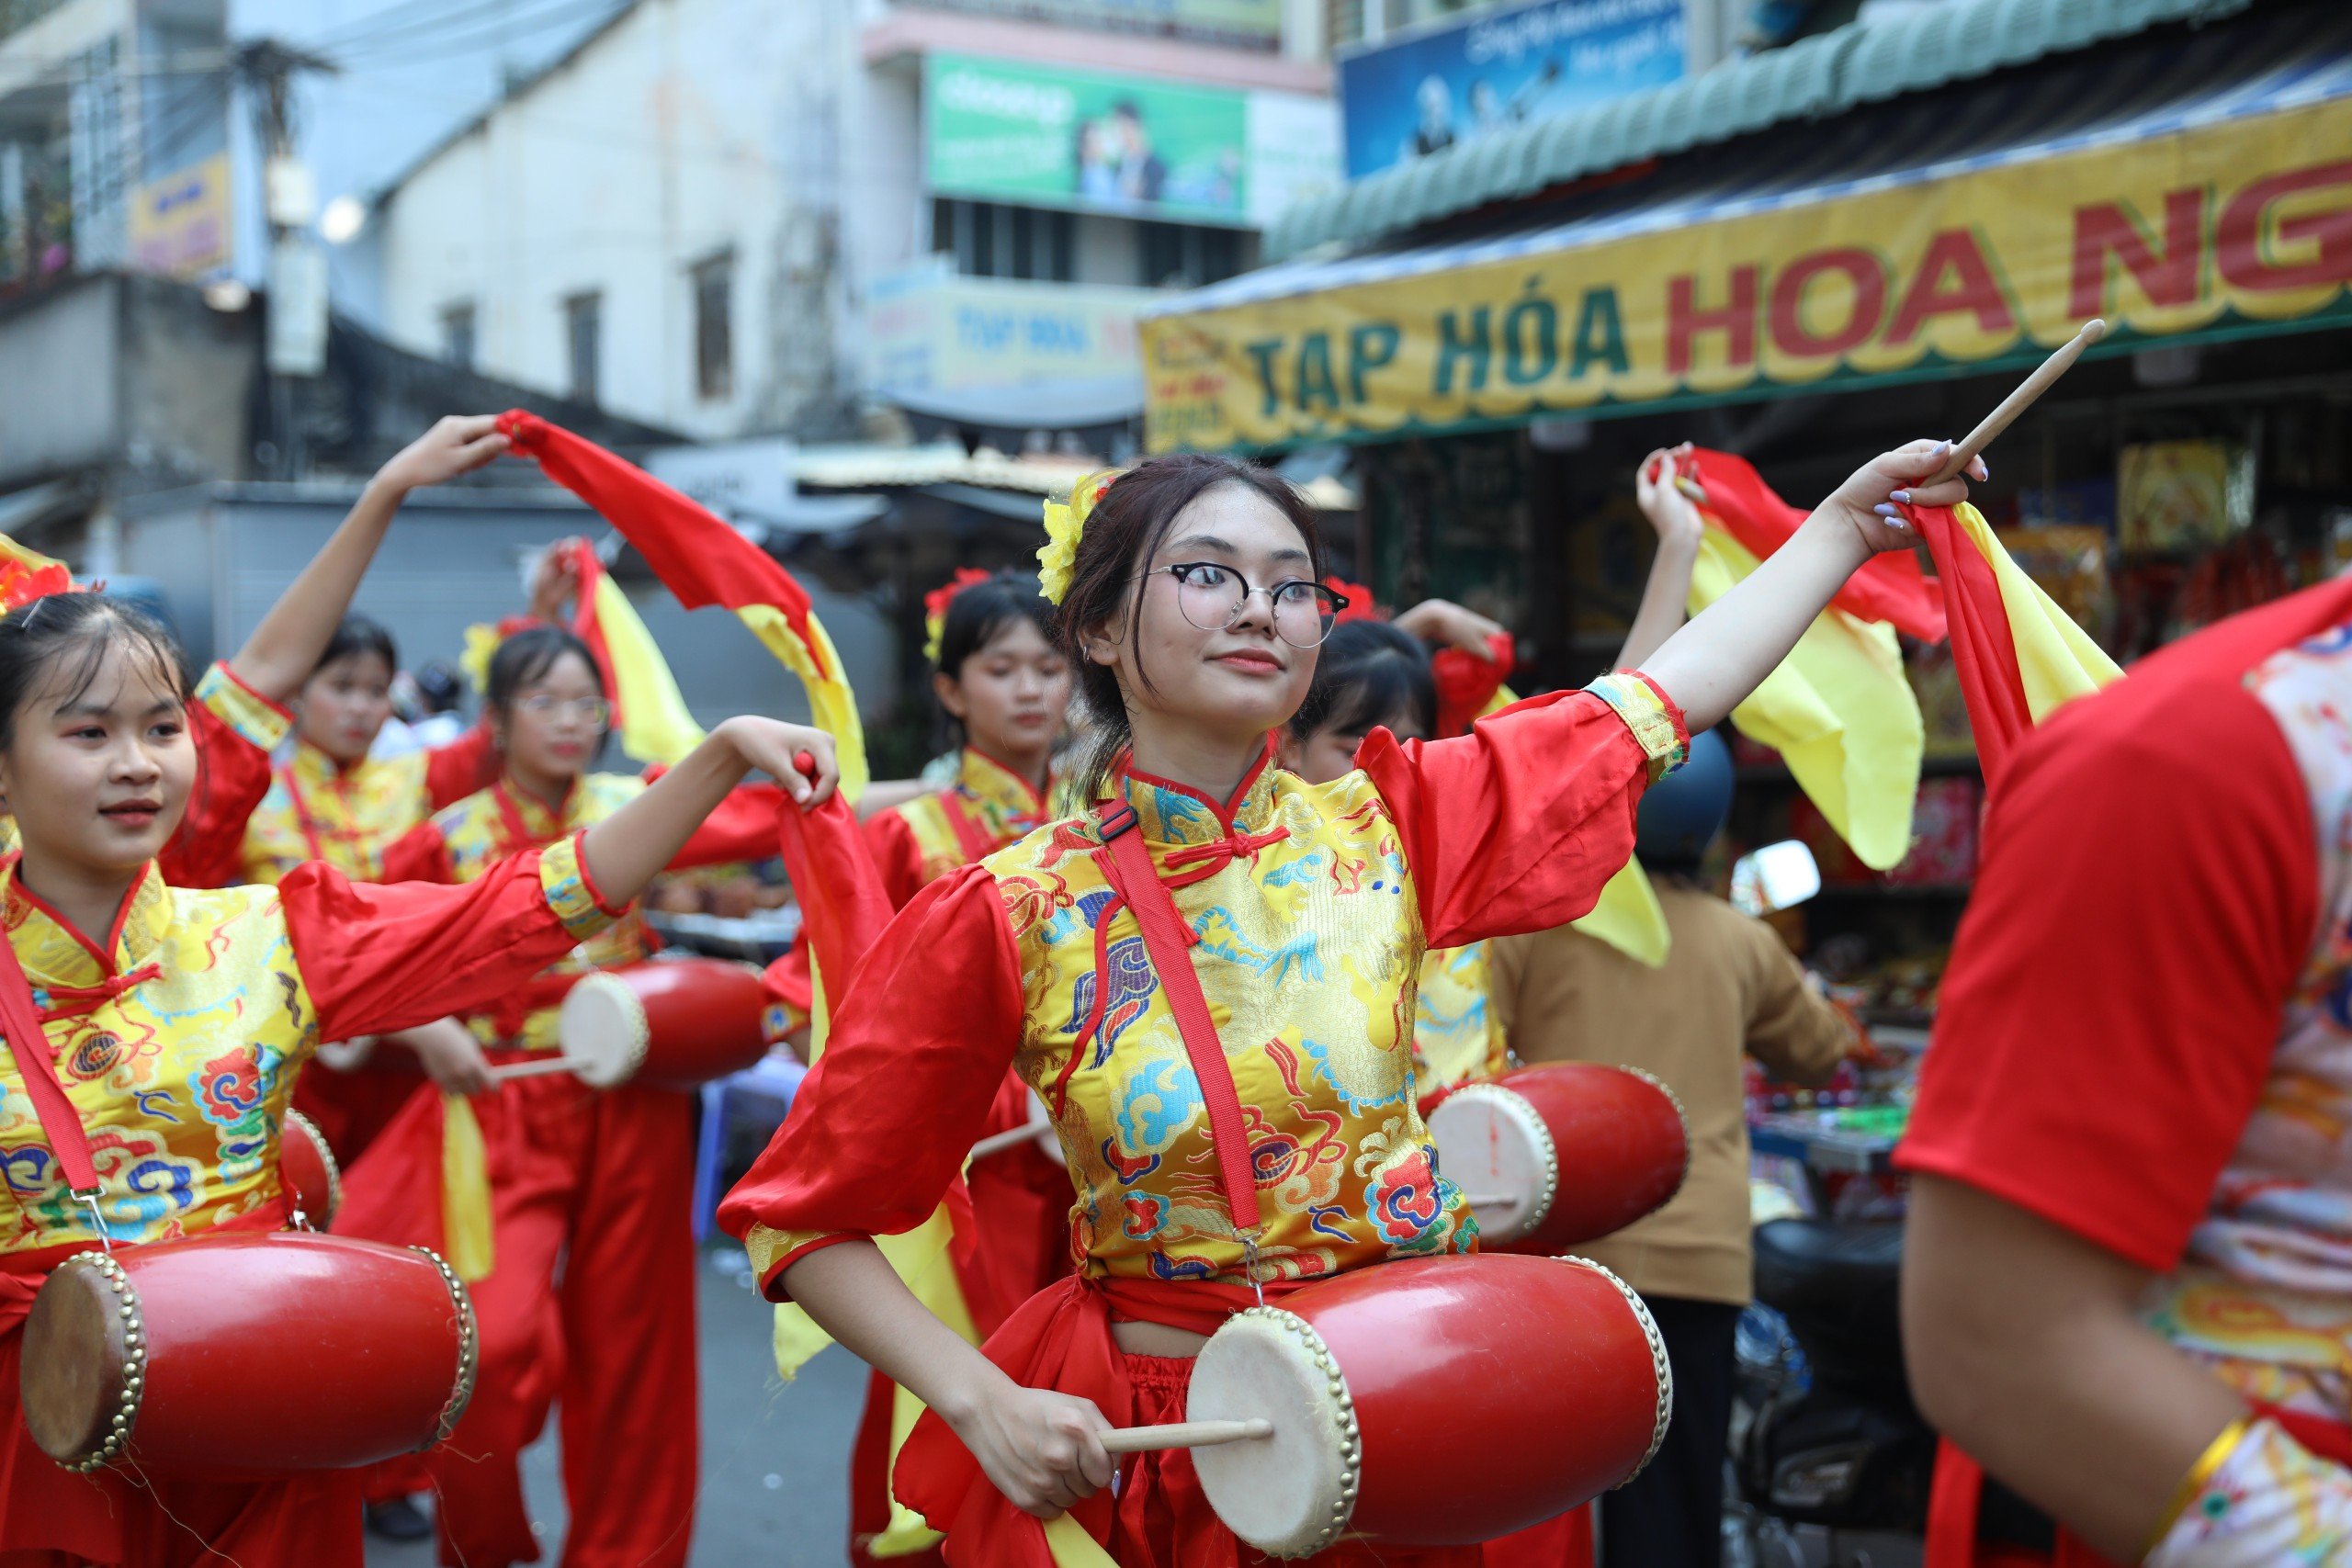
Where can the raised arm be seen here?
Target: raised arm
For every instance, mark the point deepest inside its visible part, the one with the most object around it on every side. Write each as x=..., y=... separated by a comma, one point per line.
x=285, y=648
x=1666, y=596
x=629, y=848
x=1709, y=667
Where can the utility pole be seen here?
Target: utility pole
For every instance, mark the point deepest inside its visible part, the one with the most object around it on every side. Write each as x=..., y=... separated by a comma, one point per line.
x=297, y=334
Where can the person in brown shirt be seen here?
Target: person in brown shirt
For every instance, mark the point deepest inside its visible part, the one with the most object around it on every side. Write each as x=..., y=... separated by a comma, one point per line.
x=1729, y=989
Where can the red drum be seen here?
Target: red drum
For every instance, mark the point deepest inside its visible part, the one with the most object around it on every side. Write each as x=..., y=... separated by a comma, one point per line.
x=1555, y=1155
x=308, y=1169
x=244, y=1355
x=673, y=1024
x=1435, y=1402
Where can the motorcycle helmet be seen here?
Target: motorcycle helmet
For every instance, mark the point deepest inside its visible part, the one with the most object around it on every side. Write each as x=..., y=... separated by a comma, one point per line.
x=1682, y=814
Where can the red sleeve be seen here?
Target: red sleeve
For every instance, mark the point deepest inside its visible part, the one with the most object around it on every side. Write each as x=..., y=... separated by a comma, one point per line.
x=1516, y=825
x=897, y=857
x=421, y=855
x=380, y=956
x=742, y=827
x=456, y=771
x=231, y=776
x=2148, y=896
x=881, y=1126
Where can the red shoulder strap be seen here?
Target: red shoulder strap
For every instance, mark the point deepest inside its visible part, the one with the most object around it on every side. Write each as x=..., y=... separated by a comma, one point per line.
x=60, y=1123
x=971, y=839
x=1167, y=941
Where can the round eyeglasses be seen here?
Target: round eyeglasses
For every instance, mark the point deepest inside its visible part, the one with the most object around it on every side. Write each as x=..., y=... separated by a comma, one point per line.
x=591, y=711
x=1212, y=597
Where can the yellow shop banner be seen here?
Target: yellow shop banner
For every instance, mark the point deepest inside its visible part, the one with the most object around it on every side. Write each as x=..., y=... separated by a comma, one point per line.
x=2244, y=226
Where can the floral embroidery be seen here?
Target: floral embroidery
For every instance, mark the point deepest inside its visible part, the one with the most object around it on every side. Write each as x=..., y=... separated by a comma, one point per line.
x=1306, y=955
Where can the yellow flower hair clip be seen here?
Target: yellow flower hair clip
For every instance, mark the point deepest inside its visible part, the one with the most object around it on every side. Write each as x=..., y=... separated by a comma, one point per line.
x=1065, y=521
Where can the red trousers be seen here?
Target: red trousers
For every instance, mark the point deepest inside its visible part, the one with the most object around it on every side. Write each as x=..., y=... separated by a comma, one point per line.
x=589, y=1306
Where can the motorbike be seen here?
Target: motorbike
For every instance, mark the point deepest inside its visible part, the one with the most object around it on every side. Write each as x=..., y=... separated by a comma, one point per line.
x=1831, y=1461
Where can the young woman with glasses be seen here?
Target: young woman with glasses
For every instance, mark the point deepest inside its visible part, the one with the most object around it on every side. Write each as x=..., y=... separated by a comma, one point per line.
x=599, y=1179
x=1189, y=602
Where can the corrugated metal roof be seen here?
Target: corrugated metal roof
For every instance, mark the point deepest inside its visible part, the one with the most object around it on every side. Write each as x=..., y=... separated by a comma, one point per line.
x=1867, y=62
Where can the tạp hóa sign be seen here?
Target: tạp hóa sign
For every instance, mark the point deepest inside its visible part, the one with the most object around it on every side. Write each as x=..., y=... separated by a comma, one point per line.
x=2235, y=227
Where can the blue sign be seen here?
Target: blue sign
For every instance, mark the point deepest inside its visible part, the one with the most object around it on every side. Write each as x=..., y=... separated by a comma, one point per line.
x=1428, y=91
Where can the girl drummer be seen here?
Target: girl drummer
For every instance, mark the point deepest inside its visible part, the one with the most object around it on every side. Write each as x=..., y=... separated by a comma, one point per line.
x=1191, y=601
x=174, y=1020
x=333, y=800
x=601, y=1180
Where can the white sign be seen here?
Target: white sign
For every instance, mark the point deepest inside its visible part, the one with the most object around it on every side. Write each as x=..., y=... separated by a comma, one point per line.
x=298, y=308
x=730, y=477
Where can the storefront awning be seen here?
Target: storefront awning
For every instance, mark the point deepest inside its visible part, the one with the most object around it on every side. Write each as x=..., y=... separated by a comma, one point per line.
x=2187, y=187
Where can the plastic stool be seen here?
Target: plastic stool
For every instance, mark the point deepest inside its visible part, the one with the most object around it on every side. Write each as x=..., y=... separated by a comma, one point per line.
x=773, y=1079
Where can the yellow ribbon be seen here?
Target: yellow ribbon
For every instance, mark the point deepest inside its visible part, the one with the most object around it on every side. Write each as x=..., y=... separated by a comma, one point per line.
x=467, y=1235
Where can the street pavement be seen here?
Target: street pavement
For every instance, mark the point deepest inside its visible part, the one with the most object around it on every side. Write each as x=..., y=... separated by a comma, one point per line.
x=775, y=1456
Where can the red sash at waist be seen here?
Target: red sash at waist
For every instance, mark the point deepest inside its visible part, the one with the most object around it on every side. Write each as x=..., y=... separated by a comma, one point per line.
x=21, y=1273
x=535, y=995
x=1058, y=1339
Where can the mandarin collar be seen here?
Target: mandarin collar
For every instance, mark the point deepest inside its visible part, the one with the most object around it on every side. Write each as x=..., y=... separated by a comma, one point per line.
x=53, y=952
x=997, y=790
x=540, y=825
x=1174, y=813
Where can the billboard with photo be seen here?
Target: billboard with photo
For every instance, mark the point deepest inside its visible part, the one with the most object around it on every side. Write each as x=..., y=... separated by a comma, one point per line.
x=1098, y=141
x=1421, y=92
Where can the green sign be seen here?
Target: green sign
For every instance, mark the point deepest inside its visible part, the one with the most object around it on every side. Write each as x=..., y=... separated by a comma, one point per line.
x=1003, y=131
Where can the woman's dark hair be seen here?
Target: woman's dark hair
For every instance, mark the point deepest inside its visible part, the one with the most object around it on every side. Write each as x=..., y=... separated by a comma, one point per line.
x=1366, y=673
x=976, y=614
x=359, y=635
x=1107, y=578
x=72, y=632
x=526, y=657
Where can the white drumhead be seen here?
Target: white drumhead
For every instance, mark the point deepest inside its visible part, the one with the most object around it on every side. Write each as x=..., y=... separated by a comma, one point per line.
x=1289, y=1495
x=603, y=1029
x=1491, y=1144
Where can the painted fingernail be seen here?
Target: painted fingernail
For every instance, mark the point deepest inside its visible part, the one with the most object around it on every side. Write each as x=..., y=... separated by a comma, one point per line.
x=1898, y=525
x=1941, y=447
x=1884, y=510
x=1902, y=497
x=1984, y=469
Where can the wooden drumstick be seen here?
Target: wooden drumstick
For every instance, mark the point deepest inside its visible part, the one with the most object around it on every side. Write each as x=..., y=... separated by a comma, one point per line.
x=1011, y=1138
x=2044, y=376
x=1184, y=1435
x=539, y=1069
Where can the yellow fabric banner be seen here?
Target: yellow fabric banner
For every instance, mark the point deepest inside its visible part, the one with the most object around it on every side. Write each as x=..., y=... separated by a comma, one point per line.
x=2057, y=661
x=655, y=725
x=2215, y=229
x=1837, y=709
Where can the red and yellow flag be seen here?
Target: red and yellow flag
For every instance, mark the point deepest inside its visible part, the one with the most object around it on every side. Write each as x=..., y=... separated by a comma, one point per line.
x=703, y=561
x=1839, y=708
x=2019, y=656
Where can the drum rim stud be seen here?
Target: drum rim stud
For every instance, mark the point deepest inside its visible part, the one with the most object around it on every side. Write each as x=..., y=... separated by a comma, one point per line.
x=1542, y=1210
x=461, y=1393
x=326, y=1157
x=1350, y=1435
x=1680, y=1115
x=1661, y=1365
x=132, y=1389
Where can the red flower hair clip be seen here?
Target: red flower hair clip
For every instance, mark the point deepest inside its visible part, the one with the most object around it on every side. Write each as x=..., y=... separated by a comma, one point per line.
x=934, y=607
